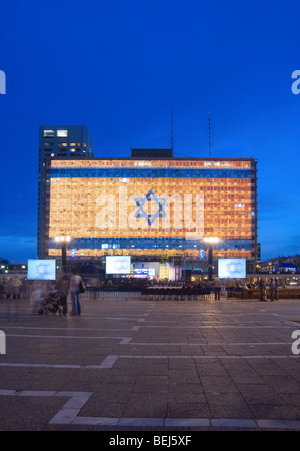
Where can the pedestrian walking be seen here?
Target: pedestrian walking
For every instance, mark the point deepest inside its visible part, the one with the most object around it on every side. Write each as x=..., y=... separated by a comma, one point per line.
x=75, y=284
x=63, y=286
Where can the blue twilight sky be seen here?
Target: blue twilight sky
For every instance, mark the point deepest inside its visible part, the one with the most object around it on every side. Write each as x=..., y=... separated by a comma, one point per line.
x=117, y=66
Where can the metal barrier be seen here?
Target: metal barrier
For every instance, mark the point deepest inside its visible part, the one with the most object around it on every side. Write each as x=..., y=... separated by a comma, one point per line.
x=177, y=297
x=113, y=295
x=162, y=295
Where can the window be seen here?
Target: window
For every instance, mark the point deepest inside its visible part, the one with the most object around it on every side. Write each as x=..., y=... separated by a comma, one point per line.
x=62, y=133
x=49, y=133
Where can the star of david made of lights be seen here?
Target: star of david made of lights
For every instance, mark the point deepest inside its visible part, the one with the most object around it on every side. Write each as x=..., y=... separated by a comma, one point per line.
x=160, y=202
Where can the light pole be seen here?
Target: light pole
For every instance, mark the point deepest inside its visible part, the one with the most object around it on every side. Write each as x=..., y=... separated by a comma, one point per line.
x=210, y=241
x=63, y=240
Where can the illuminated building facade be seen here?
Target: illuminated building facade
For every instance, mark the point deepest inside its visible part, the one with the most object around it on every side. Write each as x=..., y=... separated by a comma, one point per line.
x=151, y=208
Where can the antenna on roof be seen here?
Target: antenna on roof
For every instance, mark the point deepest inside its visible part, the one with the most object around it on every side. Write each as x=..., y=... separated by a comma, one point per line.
x=209, y=135
x=172, y=129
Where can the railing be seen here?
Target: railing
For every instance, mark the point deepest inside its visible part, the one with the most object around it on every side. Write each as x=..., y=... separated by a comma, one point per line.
x=171, y=294
x=283, y=293
x=107, y=295
x=154, y=294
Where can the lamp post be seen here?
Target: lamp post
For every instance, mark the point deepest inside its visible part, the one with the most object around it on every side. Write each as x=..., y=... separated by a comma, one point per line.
x=63, y=240
x=210, y=241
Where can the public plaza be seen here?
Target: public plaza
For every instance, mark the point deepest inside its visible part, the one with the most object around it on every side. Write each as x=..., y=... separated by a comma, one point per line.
x=130, y=364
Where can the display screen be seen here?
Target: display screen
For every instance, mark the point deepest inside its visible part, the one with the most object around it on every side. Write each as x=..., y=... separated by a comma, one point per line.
x=144, y=272
x=118, y=264
x=232, y=268
x=41, y=270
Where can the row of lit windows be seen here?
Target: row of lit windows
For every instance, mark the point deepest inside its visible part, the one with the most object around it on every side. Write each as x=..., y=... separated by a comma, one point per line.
x=60, y=228
x=64, y=144
x=160, y=183
x=149, y=243
x=212, y=182
x=59, y=133
x=231, y=187
x=244, y=164
x=150, y=252
x=148, y=174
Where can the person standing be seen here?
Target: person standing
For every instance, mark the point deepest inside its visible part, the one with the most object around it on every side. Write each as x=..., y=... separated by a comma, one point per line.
x=272, y=290
x=263, y=290
x=15, y=284
x=276, y=290
x=217, y=288
x=63, y=285
x=75, y=283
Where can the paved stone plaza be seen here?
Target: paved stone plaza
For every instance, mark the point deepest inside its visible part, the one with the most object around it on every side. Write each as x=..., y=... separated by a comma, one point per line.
x=129, y=364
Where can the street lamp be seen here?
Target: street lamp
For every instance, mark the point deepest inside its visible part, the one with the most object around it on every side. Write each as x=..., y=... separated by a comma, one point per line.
x=63, y=240
x=210, y=241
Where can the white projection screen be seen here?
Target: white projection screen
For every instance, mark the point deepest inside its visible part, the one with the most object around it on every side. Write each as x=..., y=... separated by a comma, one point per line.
x=232, y=268
x=118, y=265
x=41, y=269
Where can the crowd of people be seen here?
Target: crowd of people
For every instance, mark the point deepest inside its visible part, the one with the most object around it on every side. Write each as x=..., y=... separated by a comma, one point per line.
x=66, y=284
x=10, y=288
x=262, y=288
x=273, y=290
x=69, y=284
x=196, y=288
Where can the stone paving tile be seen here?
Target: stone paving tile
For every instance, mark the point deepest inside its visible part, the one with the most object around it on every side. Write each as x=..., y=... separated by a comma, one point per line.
x=245, y=377
x=184, y=398
x=178, y=387
x=291, y=399
x=104, y=408
x=155, y=370
x=179, y=364
x=187, y=377
x=290, y=367
x=20, y=413
x=209, y=367
x=283, y=384
x=151, y=384
x=266, y=367
x=218, y=384
x=275, y=412
x=260, y=394
x=116, y=392
x=188, y=410
x=147, y=405
x=228, y=406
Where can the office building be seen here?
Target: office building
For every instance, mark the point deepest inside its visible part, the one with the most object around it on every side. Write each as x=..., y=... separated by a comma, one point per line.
x=70, y=141
x=152, y=208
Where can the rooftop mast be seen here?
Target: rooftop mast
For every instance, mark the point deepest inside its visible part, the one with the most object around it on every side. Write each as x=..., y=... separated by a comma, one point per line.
x=209, y=135
x=172, y=129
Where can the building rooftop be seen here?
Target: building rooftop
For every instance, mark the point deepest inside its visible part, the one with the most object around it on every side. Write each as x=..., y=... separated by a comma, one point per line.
x=151, y=153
